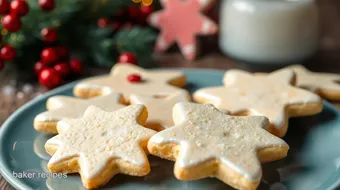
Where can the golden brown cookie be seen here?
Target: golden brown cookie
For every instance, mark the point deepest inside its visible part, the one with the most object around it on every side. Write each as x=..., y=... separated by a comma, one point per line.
x=151, y=83
x=61, y=107
x=272, y=95
x=327, y=85
x=101, y=144
x=206, y=142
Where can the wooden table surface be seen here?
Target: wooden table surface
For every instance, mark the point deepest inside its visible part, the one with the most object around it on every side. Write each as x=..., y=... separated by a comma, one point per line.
x=327, y=59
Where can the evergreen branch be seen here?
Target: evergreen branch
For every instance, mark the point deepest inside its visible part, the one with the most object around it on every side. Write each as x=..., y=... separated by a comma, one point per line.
x=138, y=40
x=75, y=21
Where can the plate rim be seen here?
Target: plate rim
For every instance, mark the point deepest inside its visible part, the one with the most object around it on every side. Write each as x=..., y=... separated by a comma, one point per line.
x=18, y=184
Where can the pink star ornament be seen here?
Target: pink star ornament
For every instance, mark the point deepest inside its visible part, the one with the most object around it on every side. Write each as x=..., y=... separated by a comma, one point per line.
x=181, y=21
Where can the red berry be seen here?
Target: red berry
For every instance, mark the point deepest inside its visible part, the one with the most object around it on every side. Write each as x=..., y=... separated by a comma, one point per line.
x=19, y=7
x=49, y=35
x=7, y=53
x=103, y=22
x=133, y=11
x=62, y=51
x=4, y=6
x=11, y=22
x=146, y=10
x=50, y=78
x=76, y=66
x=62, y=68
x=38, y=67
x=127, y=57
x=134, y=78
x=49, y=56
x=1, y=65
x=46, y=5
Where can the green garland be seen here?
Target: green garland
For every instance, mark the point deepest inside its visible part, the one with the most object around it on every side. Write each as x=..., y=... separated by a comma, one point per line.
x=76, y=23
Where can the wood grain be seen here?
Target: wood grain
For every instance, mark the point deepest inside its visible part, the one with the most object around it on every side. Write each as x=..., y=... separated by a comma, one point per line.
x=326, y=59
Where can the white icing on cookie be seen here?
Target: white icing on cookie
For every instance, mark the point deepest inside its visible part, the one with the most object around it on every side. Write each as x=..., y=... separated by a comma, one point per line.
x=154, y=82
x=160, y=109
x=61, y=107
x=314, y=81
x=101, y=136
x=266, y=95
x=204, y=133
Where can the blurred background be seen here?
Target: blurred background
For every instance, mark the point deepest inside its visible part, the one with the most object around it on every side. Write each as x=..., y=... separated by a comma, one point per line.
x=72, y=39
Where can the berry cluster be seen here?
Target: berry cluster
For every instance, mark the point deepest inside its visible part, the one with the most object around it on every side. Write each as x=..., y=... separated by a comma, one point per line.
x=55, y=64
x=134, y=15
x=12, y=12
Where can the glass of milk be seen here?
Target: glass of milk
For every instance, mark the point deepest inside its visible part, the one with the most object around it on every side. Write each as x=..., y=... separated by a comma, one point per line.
x=269, y=31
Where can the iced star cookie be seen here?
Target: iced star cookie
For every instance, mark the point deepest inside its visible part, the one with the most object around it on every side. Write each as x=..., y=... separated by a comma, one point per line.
x=101, y=144
x=269, y=95
x=181, y=21
x=61, y=107
x=160, y=109
x=206, y=142
x=327, y=85
x=130, y=79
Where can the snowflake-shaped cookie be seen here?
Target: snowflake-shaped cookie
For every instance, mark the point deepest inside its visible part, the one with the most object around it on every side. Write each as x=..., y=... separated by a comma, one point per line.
x=61, y=107
x=327, y=85
x=206, y=142
x=101, y=144
x=153, y=82
x=270, y=95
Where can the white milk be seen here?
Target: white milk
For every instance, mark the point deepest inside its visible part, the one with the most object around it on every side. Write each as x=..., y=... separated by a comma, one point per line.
x=269, y=31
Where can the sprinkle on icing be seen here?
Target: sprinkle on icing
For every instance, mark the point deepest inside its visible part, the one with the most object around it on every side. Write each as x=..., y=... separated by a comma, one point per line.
x=205, y=133
x=100, y=136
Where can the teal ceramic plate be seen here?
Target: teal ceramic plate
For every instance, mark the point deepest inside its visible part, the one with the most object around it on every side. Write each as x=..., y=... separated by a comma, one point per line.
x=313, y=161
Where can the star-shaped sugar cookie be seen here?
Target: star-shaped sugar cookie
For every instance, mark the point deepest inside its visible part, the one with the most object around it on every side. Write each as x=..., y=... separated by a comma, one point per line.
x=61, y=107
x=181, y=21
x=101, y=144
x=160, y=109
x=269, y=95
x=206, y=142
x=327, y=85
x=153, y=82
